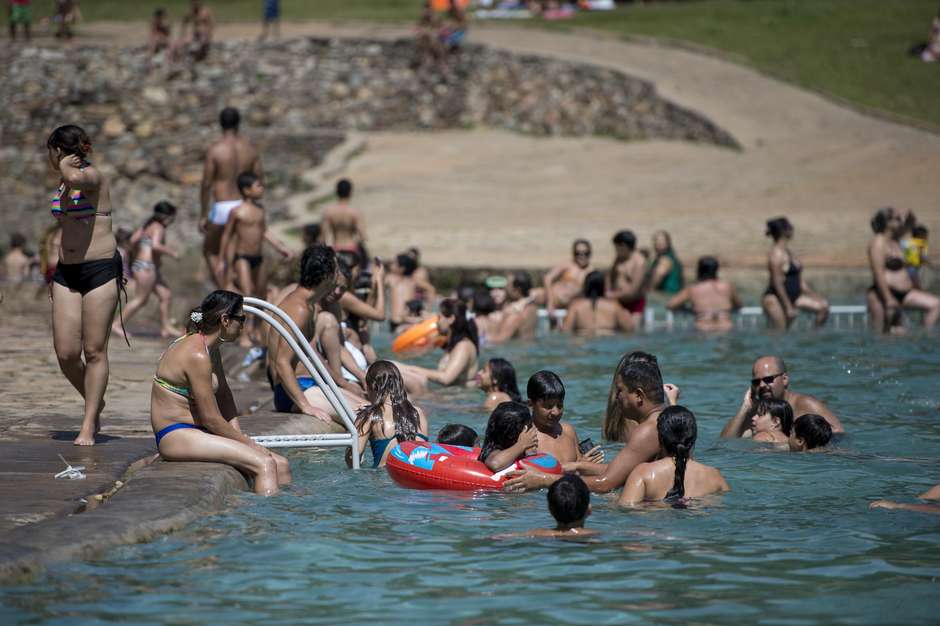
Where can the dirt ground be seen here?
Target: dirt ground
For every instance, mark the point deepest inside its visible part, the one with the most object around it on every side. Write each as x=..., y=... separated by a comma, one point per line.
x=486, y=197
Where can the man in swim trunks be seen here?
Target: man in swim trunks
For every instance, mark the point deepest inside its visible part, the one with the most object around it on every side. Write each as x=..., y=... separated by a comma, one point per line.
x=20, y=14
x=342, y=225
x=563, y=282
x=771, y=380
x=626, y=281
x=225, y=160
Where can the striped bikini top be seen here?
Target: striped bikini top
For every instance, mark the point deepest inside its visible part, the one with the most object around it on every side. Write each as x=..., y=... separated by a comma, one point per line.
x=78, y=205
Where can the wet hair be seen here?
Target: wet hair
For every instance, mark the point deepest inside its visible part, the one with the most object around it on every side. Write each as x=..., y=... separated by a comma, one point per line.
x=506, y=423
x=17, y=240
x=407, y=264
x=778, y=227
x=504, y=378
x=384, y=382
x=677, y=432
x=645, y=377
x=457, y=435
x=317, y=264
x=71, y=140
x=523, y=282
x=483, y=303
x=707, y=268
x=245, y=180
x=625, y=238
x=229, y=118
x=545, y=385
x=780, y=409
x=311, y=233
x=920, y=231
x=218, y=303
x=580, y=242
x=344, y=188
x=593, y=286
x=568, y=499
x=879, y=222
x=613, y=428
x=813, y=429
x=462, y=328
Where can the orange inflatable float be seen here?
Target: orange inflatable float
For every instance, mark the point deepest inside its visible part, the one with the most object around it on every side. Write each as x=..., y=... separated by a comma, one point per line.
x=421, y=336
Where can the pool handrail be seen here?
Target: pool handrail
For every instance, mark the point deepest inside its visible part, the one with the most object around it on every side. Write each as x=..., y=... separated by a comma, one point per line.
x=305, y=353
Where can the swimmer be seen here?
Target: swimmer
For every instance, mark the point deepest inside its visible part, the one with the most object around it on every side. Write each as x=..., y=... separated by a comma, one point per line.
x=592, y=314
x=485, y=314
x=497, y=379
x=676, y=475
x=563, y=282
x=771, y=380
x=458, y=435
x=772, y=421
x=509, y=436
x=192, y=411
x=520, y=314
x=665, y=273
x=626, y=280
x=931, y=494
x=712, y=300
x=569, y=502
x=389, y=418
x=641, y=397
x=788, y=291
x=228, y=157
x=403, y=288
x=546, y=394
x=343, y=228
x=458, y=366
x=809, y=432
x=149, y=245
x=617, y=427
x=893, y=290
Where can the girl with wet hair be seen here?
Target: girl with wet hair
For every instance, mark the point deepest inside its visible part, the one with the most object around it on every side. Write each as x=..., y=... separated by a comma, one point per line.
x=498, y=380
x=88, y=275
x=458, y=366
x=390, y=417
x=787, y=291
x=510, y=435
x=676, y=476
x=192, y=410
x=772, y=421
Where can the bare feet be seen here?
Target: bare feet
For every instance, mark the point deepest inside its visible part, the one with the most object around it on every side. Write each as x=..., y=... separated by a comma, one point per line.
x=120, y=332
x=88, y=439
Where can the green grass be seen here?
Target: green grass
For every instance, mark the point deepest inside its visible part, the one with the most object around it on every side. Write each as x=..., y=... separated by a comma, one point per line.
x=851, y=49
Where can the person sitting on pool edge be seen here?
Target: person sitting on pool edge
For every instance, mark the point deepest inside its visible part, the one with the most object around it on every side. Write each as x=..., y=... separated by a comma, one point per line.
x=772, y=421
x=771, y=380
x=521, y=312
x=390, y=417
x=711, y=299
x=509, y=436
x=675, y=476
x=569, y=502
x=641, y=398
x=546, y=395
x=497, y=379
x=592, y=314
x=809, y=432
x=458, y=435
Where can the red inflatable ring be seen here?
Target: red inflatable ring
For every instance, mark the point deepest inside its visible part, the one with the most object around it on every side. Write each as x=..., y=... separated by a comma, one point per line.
x=423, y=465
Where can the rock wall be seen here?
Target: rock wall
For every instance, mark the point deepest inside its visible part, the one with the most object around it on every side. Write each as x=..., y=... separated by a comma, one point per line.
x=297, y=98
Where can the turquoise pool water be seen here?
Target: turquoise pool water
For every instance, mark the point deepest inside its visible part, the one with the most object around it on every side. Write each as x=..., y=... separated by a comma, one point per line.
x=793, y=543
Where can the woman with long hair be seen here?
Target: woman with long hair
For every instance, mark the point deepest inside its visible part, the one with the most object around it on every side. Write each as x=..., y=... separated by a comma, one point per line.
x=458, y=366
x=390, y=417
x=893, y=289
x=510, y=435
x=675, y=476
x=665, y=273
x=87, y=281
x=788, y=291
x=593, y=314
x=497, y=379
x=192, y=411
x=149, y=245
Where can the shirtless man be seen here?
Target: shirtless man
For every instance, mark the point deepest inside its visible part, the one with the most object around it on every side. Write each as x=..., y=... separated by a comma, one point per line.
x=771, y=380
x=329, y=339
x=403, y=288
x=546, y=395
x=342, y=226
x=626, y=281
x=640, y=393
x=712, y=300
x=225, y=160
x=521, y=313
x=592, y=314
x=563, y=282
x=17, y=262
x=202, y=22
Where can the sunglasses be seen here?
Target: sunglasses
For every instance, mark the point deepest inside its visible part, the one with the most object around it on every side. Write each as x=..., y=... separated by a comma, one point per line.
x=582, y=253
x=767, y=380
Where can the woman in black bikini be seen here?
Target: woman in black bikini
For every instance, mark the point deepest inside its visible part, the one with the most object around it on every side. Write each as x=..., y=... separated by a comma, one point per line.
x=787, y=290
x=893, y=289
x=88, y=276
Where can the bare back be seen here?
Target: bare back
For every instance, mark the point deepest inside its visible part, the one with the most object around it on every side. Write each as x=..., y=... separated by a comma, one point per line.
x=605, y=317
x=712, y=298
x=230, y=156
x=342, y=223
x=656, y=479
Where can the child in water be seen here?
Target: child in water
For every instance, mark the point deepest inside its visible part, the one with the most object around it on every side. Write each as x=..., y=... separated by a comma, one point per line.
x=546, y=395
x=509, y=436
x=458, y=435
x=809, y=432
x=569, y=502
x=772, y=421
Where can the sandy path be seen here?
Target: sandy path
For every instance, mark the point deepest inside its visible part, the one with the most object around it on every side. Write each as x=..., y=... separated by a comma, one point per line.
x=493, y=198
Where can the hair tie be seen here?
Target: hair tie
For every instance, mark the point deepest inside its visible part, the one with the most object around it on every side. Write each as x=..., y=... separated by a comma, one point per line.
x=196, y=316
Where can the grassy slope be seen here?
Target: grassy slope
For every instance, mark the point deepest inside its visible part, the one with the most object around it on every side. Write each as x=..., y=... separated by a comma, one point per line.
x=854, y=49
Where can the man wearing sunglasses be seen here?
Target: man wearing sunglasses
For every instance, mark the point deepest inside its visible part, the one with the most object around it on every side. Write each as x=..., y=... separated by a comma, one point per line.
x=564, y=282
x=771, y=380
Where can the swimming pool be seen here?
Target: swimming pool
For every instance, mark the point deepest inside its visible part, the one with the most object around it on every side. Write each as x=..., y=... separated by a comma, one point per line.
x=793, y=543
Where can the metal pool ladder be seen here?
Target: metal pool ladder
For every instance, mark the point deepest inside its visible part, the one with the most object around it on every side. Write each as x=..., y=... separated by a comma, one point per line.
x=287, y=329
